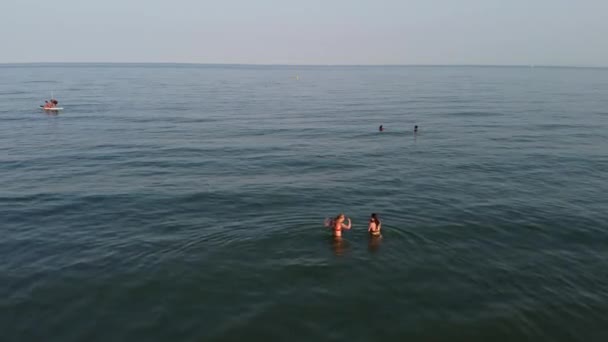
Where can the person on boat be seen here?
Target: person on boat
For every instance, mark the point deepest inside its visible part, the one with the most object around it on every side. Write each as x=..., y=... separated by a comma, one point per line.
x=337, y=224
x=374, y=225
x=381, y=129
x=49, y=104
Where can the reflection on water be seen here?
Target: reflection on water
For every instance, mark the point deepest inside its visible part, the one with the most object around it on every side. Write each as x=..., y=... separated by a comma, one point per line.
x=374, y=243
x=339, y=245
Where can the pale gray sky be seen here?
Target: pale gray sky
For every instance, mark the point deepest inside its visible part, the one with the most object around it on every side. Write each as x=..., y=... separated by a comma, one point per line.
x=539, y=32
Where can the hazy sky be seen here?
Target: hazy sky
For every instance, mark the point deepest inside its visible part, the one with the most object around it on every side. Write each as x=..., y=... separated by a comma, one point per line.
x=539, y=32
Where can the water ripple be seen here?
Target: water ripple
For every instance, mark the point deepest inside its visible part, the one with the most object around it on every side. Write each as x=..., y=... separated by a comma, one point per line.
x=187, y=203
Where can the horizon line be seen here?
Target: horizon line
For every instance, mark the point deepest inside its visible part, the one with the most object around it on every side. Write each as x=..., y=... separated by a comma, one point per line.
x=303, y=65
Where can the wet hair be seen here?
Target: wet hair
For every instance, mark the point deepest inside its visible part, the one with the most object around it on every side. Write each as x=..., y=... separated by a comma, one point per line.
x=375, y=218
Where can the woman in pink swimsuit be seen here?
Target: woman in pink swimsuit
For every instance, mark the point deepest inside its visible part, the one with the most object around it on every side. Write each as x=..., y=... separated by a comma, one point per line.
x=338, y=224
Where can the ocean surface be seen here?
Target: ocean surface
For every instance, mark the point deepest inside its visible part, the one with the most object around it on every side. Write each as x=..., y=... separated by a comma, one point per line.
x=186, y=203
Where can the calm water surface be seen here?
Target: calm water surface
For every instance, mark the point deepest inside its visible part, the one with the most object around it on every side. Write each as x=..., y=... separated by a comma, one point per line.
x=185, y=203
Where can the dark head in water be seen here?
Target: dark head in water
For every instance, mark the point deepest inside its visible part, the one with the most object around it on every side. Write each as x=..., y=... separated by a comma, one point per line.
x=380, y=128
x=416, y=128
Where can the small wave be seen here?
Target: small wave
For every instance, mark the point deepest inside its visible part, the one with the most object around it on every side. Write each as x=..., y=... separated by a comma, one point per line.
x=473, y=114
x=12, y=93
x=41, y=81
x=556, y=126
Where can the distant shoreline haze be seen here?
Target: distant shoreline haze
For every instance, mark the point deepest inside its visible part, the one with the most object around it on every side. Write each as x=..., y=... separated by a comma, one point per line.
x=312, y=32
x=179, y=64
